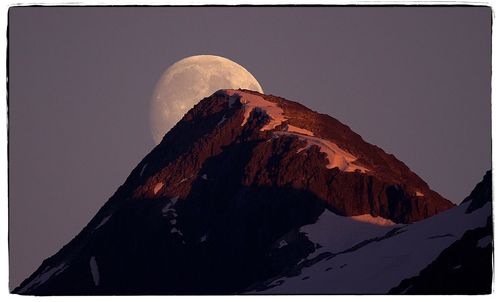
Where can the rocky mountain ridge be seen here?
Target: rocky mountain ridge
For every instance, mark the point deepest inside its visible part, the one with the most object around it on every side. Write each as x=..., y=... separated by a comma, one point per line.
x=202, y=212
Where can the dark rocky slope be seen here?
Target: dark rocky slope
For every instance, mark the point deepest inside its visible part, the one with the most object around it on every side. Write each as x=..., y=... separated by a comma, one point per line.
x=466, y=267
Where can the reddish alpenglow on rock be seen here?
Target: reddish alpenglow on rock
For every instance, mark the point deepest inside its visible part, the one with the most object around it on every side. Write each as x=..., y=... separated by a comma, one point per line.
x=272, y=142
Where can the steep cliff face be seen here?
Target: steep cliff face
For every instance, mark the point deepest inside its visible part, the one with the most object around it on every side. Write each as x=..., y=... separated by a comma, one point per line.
x=202, y=212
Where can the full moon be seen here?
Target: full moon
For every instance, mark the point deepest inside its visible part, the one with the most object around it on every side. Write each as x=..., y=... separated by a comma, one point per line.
x=188, y=81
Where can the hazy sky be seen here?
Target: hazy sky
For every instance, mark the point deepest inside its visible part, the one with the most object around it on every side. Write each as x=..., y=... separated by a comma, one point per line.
x=412, y=80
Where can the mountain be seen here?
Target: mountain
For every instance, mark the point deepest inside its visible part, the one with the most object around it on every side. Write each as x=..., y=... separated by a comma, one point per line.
x=464, y=267
x=217, y=206
x=449, y=253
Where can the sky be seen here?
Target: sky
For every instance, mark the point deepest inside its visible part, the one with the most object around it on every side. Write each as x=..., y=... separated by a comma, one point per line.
x=413, y=80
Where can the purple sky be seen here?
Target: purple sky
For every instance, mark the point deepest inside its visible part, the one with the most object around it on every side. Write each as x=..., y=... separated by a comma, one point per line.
x=412, y=80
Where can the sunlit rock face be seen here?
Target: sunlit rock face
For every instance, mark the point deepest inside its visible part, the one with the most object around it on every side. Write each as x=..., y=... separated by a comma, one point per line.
x=219, y=204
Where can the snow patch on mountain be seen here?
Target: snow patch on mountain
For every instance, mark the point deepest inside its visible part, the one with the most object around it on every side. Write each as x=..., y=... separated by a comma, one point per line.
x=143, y=168
x=183, y=180
x=335, y=233
x=282, y=243
x=373, y=219
x=378, y=257
x=252, y=101
x=170, y=213
x=175, y=230
x=158, y=187
x=223, y=119
x=103, y=222
x=169, y=210
x=43, y=277
x=94, y=270
x=291, y=128
x=337, y=157
x=483, y=242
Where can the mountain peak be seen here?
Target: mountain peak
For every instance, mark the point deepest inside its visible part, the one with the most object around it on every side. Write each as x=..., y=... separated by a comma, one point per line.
x=276, y=119
x=240, y=170
x=283, y=143
x=255, y=101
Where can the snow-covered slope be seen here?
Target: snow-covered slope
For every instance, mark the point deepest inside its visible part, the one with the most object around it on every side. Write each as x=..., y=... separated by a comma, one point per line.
x=363, y=258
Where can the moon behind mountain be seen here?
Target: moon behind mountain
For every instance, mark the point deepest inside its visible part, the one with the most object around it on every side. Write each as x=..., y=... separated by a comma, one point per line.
x=188, y=81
